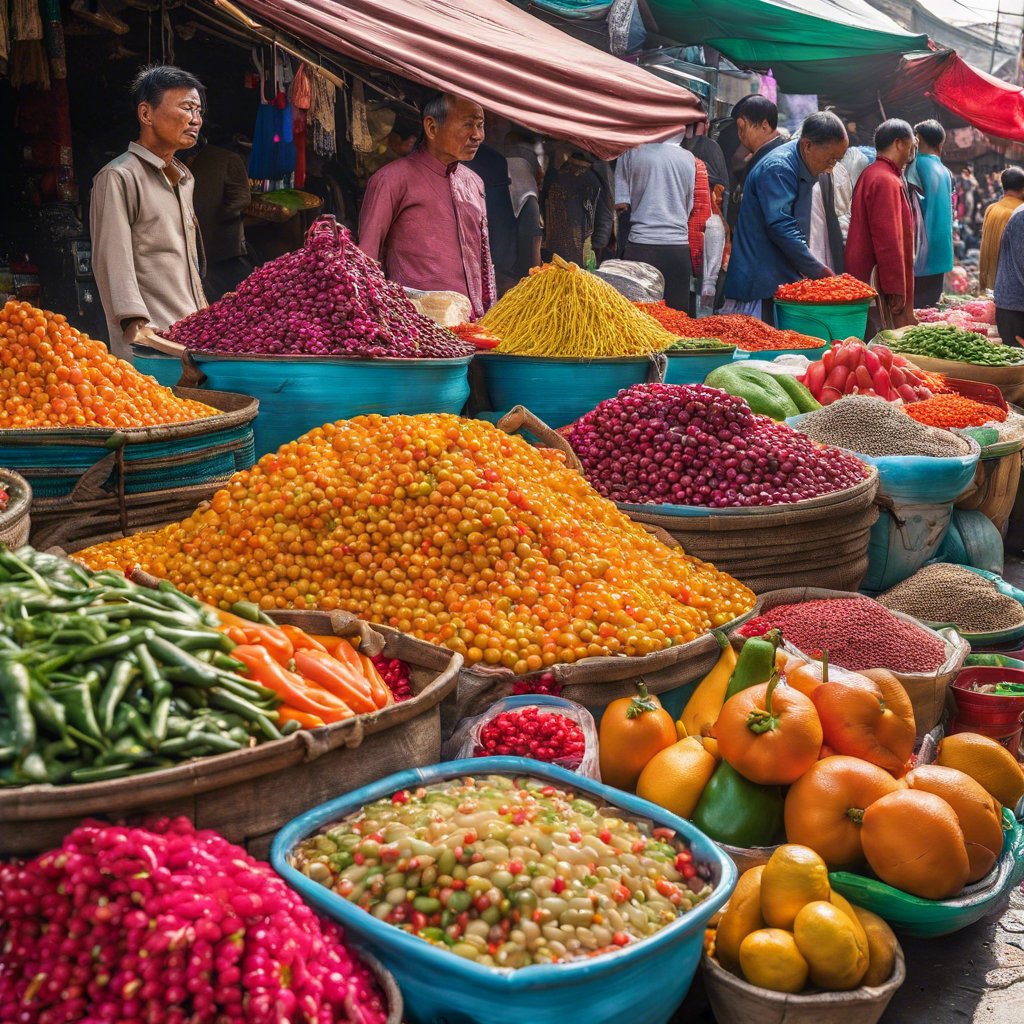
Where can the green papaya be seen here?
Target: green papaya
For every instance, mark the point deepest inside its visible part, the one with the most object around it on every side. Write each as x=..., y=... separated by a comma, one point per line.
x=760, y=390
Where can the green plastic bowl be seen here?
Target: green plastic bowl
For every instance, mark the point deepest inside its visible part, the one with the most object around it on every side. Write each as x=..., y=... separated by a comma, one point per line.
x=830, y=321
x=927, y=919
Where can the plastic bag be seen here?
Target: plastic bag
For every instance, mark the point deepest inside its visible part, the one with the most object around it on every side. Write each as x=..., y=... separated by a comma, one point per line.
x=464, y=740
x=444, y=308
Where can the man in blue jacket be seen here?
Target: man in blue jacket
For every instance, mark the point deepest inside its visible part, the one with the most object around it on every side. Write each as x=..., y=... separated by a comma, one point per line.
x=934, y=186
x=770, y=244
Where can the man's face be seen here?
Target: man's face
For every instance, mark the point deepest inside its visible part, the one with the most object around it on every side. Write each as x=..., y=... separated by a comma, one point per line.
x=460, y=136
x=752, y=135
x=176, y=119
x=821, y=158
x=906, y=150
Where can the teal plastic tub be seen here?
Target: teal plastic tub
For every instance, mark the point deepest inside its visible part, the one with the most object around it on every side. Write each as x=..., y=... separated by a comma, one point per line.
x=693, y=367
x=929, y=919
x=560, y=391
x=973, y=540
x=831, y=321
x=642, y=983
x=166, y=369
x=299, y=393
x=813, y=354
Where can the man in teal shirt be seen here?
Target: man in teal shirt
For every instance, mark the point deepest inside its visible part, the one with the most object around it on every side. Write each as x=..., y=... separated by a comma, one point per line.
x=934, y=186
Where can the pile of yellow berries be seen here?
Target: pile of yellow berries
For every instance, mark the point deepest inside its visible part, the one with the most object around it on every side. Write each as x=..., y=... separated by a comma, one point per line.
x=52, y=375
x=447, y=529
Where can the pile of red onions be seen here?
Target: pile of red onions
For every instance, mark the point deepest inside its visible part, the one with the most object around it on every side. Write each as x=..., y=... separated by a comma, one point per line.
x=686, y=444
x=326, y=299
x=171, y=926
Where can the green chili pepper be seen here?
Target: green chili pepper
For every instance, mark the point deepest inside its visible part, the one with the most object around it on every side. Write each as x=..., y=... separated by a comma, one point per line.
x=78, y=707
x=116, y=645
x=165, y=652
x=33, y=768
x=263, y=720
x=46, y=710
x=15, y=685
x=113, y=693
x=159, y=719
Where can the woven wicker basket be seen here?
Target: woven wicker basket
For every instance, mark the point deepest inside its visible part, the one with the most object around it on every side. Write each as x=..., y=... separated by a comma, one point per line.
x=15, y=520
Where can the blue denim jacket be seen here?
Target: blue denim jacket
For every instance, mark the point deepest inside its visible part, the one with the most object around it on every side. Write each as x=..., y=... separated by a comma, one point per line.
x=770, y=244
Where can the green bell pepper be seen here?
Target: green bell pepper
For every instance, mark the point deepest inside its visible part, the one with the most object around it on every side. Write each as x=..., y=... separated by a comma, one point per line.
x=735, y=811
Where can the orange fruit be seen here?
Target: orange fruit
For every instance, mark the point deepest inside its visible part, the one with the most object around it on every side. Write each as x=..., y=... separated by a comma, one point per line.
x=882, y=947
x=676, y=776
x=986, y=762
x=825, y=807
x=977, y=811
x=633, y=730
x=834, y=946
x=913, y=841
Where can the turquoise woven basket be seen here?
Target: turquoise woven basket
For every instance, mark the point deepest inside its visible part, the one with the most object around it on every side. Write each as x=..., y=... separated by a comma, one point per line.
x=560, y=391
x=298, y=394
x=830, y=321
x=693, y=367
x=643, y=983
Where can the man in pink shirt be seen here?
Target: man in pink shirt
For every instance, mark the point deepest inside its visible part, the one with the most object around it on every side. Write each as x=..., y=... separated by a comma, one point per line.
x=423, y=216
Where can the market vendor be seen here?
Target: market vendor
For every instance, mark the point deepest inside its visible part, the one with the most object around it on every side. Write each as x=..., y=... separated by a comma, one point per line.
x=880, y=245
x=145, y=241
x=424, y=216
x=770, y=246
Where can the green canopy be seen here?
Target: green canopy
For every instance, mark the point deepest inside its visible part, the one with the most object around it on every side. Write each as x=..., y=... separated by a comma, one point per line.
x=819, y=46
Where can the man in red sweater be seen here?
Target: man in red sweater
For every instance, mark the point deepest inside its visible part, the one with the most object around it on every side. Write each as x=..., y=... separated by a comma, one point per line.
x=880, y=245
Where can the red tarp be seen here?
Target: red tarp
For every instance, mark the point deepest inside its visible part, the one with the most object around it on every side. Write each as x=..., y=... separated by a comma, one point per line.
x=992, y=106
x=506, y=60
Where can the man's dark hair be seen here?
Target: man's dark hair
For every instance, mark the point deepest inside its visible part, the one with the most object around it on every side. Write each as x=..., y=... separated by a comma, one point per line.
x=757, y=110
x=150, y=84
x=931, y=132
x=1012, y=179
x=438, y=107
x=823, y=128
x=892, y=131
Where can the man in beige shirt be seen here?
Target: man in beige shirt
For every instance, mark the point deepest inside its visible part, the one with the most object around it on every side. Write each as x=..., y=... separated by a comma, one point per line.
x=145, y=240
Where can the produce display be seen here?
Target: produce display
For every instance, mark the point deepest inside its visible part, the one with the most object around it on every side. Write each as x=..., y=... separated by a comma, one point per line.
x=786, y=930
x=446, y=529
x=777, y=396
x=54, y=376
x=852, y=368
x=872, y=426
x=745, y=332
x=699, y=345
x=978, y=315
x=507, y=872
x=533, y=732
x=951, y=594
x=687, y=444
x=951, y=412
x=325, y=299
x=5, y=498
x=826, y=290
x=102, y=678
x=559, y=310
x=476, y=335
x=941, y=341
x=857, y=633
x=166, y=923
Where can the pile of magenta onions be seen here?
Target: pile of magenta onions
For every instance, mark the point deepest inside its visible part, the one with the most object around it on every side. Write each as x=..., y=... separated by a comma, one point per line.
x=326, y=299
x=686, y=444
x=166, y=924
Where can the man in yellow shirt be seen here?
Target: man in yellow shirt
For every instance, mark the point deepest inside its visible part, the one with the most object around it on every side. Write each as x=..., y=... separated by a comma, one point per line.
x=996, y=216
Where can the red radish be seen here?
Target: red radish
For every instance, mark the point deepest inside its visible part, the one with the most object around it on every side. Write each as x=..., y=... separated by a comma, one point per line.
x=872, y=362
x=897, y=377
x=814, y=378
x=837, y=378
x=907, y=393
x=829, y=358
x=863, y=377
x=899, y=361
x=829, y=395
x=880, y=378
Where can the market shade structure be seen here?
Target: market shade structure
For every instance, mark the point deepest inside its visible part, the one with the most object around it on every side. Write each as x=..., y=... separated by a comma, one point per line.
x=990, y=105
x=811, y=46
x=508, y=61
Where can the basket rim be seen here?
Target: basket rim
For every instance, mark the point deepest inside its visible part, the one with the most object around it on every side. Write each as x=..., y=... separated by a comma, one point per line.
x=19, y=495
x=204, y=356
x=572, y=360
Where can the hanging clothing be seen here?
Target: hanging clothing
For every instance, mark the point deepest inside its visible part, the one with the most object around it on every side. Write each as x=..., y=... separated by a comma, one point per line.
x=301, y=97
x=322, y=116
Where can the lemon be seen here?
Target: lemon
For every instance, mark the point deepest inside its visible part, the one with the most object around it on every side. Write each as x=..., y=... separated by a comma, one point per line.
x=882, y=946
x=793, y=877
x=770, y=959
x=676, y=776
x=741, y=917
x=987, y=762
x=832, y=945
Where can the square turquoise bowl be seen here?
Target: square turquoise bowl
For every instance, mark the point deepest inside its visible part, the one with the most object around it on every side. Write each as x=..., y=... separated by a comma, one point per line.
x=642, y=983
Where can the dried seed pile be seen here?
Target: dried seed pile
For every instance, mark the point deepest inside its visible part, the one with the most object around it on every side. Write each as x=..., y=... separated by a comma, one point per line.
x=948, y=593
x=857, y=632
x=875, y=427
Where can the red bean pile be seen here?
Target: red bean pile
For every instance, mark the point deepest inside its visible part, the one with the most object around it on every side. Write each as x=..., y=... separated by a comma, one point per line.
x=532, y=732
x=857, y=632
x=686, y=444
x=327, y=298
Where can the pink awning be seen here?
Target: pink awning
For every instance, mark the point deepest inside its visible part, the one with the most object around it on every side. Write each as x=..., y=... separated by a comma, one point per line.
x=503, y=58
